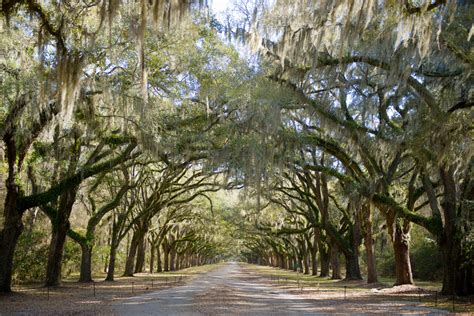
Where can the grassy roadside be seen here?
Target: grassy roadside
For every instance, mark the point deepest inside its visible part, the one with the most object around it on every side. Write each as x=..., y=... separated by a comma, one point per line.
x=425, y=293
x=91, y=298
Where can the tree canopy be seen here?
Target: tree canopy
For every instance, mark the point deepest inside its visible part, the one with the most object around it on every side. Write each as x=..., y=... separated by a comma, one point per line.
x=291, y=133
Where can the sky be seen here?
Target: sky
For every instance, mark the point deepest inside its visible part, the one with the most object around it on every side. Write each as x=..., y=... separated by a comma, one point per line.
x=219, y=6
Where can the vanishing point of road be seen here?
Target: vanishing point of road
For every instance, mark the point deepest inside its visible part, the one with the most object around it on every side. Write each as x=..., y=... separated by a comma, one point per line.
x=235, y=289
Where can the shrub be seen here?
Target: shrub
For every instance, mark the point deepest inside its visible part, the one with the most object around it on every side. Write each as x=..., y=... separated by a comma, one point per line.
x=31, y=257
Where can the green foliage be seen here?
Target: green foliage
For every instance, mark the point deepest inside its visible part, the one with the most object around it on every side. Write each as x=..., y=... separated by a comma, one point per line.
x=100, y=257
x=71, y=257
x=31, y=256
x=426, y=258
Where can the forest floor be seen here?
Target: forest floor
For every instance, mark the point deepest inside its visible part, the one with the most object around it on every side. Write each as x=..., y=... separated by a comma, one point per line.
x=229, y=289
x=73, y=298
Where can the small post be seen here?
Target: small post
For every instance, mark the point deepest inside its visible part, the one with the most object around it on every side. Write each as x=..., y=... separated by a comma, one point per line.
x=47, y=289
x=166, y=280
x=419, y=295
x=93, y=285
x=345, y=291
x=151, y=283
x=133, y=288
x=436, y=298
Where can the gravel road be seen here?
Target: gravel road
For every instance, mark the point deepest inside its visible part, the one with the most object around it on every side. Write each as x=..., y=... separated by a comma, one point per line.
x=234, y=289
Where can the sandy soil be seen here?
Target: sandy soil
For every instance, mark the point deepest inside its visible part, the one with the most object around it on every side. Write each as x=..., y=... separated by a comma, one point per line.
x=74, y=298
x=237, y=289
x=229, y=289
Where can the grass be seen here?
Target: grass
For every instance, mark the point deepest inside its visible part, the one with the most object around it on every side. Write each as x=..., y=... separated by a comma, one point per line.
x=76, y=295
x=138, y=283
x=73, y=297
x=428, y=297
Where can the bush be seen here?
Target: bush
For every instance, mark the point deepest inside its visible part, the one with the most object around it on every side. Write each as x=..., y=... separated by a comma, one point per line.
x=426, y=260
x=71, y=258
x=386, y=263
x=31, y=257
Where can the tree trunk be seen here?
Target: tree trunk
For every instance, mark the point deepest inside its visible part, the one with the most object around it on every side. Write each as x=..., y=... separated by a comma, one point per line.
x=177, y=262
x=352, y=267
x=86, y=263
x=401, y=249
x=300, y=264
x=166, y=259
x=314, y=262
x=336, y=266
x=369, y=247
x=13, y=225
x=152, y=259
x=159, y=267
x=55, y=255
x=129, y=263
x=305, y=264
x=140, y=264
x=9, y=236
x=457, y=278
x=172, y=256
x=314, y=255
x=112, y=256
x=281, y=261
x=371, y=264
x=325, y=259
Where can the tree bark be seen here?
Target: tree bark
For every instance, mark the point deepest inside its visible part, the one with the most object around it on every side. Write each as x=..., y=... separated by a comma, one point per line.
x=369, y=247
x=336, y=266
x=305, y=264
x=112, y=257
x=166, y=259
x=352, y=268
x=457, y=278
x=325, y=264
x=86, y=263
x=281, y=261
x=130, y=262
x=9, y=236
x=159, y=266
x=314, y=262
x=401, y=249
x=55, y=255
x=152, y=259
x=140, y=263
x=172, y=258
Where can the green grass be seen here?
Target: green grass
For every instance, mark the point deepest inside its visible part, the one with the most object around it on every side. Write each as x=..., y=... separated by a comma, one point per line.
x=188, y=271
x=287, y=278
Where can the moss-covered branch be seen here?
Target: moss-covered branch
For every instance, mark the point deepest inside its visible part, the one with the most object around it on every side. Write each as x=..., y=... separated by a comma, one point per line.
x=43, y=198
x=432, y=224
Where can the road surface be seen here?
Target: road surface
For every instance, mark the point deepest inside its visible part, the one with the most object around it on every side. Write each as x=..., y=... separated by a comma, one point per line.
x=234, y=289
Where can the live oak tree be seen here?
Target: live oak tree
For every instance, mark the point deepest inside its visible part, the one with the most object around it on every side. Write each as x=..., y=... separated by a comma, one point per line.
x=132, y=114
x=67, y=37
x=391, y=96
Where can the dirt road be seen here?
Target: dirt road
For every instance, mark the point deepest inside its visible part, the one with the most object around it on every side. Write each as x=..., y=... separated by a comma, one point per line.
x=234, y=289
